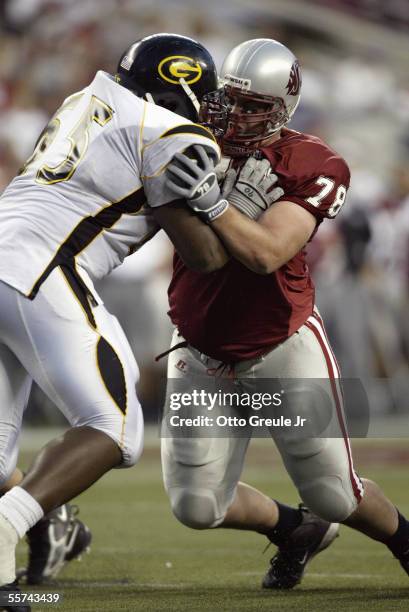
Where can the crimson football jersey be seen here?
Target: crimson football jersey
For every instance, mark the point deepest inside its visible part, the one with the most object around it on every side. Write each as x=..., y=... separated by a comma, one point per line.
x=235, y=314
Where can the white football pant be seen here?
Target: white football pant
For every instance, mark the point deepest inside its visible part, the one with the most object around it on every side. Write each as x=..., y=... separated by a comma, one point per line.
x=76, y=351
x=201, y=473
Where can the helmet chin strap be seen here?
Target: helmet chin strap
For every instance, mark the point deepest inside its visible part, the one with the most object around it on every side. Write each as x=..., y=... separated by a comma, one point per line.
x=149, y=98
x=186, y=89
x=190, y=94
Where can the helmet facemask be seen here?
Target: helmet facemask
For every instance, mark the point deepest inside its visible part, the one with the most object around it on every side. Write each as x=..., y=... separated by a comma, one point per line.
x=245, y=130
x=213, y=113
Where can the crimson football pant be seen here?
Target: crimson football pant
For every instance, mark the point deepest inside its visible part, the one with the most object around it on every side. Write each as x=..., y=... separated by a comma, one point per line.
x=201, y=473
x=77, y=353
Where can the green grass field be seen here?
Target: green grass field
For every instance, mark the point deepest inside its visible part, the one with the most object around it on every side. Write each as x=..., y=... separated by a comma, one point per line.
x=142, y=559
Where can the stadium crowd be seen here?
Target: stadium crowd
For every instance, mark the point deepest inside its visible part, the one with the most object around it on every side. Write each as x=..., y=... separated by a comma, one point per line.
x=359, y=103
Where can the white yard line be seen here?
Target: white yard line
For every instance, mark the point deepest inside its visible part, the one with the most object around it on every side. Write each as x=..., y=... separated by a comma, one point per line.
x=118, y=584
x=323, y=575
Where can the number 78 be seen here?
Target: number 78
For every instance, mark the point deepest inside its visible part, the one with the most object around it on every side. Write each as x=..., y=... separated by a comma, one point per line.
x=328, y=185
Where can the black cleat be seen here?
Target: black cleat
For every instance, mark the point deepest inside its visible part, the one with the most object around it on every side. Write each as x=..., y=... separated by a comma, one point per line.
x=10, y=593
x=404, y=561
x=308, y=539
x=58, y=538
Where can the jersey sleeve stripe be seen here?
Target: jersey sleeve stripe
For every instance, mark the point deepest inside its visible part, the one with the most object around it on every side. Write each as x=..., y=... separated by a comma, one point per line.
x=87, y=230
x=189, y=128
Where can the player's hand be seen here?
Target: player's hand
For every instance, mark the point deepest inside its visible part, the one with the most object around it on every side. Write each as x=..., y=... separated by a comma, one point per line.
x=253, y=191
x=196, y=182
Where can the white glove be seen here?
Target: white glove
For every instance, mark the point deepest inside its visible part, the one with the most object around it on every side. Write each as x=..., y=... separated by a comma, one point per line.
x=196, y=182
x=251, y=193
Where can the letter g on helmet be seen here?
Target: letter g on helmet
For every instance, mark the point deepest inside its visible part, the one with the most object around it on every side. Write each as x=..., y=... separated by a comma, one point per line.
x=176, y=71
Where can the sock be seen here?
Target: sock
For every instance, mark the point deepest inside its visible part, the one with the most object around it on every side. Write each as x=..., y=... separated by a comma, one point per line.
x=398, y=544
x=288, y=520
x=20, y=509
x=8, y=542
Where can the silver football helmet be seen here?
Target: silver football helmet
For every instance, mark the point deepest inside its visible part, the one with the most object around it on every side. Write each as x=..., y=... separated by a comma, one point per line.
x=261, y=82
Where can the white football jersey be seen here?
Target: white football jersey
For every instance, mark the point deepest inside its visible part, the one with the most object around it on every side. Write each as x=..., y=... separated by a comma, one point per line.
x=84, y=196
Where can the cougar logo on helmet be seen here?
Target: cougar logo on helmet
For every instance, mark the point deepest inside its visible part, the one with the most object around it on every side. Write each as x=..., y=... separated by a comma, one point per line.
x=294, y=82
x=176, y=67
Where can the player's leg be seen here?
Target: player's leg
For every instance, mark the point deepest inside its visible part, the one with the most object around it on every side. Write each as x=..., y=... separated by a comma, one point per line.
x=299, y=534
x=91, y=374
x=200, y=473
x=375, y=516
x=82, y=361
x=368, y=508
x=60, y=536
x=252, y=510
x=15, y=386
x=201, y=480
x=57, y=538
x=286, y=527
x=73, y=463
x=201, y=477
x=322, y=468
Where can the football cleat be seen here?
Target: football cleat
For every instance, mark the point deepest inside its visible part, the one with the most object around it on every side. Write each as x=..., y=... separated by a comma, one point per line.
x=12, y=589
x=58, y=538
x=404, y=561
x=308, y=539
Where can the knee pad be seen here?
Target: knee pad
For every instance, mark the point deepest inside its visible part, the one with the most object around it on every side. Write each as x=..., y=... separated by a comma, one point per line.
x=197, y=509
x=303, y=448
x=329, y=498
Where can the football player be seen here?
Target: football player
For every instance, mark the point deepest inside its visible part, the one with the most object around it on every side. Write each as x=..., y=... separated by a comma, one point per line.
x=256, y=319
x=76, y=209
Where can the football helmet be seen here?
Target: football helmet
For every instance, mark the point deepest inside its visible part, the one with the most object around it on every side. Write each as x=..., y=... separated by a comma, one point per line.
x=170, y=70
x=261, y=82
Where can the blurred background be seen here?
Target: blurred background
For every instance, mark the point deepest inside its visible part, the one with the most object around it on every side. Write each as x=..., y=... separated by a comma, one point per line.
x=354, y=56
